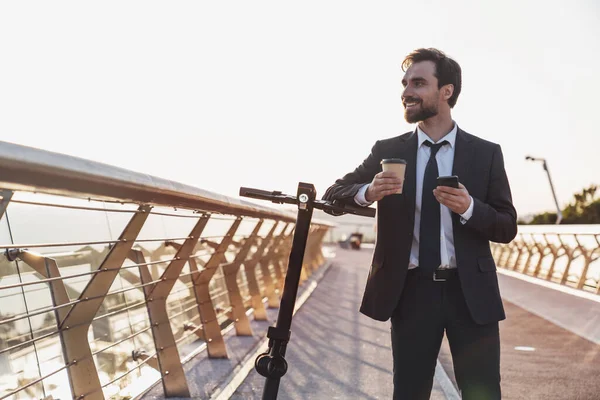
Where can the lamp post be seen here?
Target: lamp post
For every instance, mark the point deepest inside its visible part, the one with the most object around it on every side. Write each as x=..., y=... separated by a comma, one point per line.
x=545, y=165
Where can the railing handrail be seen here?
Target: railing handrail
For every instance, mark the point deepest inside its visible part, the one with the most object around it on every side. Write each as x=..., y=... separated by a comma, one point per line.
x=31, y=169
x=537, y=248
x=564, y=229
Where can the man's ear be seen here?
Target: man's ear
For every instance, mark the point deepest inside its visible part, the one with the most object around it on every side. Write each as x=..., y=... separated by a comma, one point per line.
x=447, y=91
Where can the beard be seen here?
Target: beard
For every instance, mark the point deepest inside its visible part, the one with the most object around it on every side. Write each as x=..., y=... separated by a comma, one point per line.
x=421, y=113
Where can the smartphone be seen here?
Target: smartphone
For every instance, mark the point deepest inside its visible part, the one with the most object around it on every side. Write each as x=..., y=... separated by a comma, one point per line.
x=451, y=181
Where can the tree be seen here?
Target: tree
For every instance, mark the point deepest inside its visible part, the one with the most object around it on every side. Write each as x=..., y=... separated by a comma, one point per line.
x=546, y=218
x=585, y=209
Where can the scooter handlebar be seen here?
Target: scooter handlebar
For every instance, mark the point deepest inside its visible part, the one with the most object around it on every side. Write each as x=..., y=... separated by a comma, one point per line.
x=335, y=207
x=275, y=196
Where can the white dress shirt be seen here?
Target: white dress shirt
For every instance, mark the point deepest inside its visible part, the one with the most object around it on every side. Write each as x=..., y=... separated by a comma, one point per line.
x=445, y=160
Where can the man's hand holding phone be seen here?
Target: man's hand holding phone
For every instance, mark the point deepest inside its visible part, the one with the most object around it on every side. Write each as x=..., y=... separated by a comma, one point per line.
x=453, y=194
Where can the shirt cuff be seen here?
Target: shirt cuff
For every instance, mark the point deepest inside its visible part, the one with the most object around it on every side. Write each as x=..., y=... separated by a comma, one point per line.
x=359, y=197
x=464, y=217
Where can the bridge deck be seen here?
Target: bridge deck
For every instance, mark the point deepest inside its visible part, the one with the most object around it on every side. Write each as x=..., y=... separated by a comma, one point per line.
x=337, y=353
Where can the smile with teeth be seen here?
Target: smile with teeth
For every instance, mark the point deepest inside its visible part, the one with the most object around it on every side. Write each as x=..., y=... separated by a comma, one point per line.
x=411, y=104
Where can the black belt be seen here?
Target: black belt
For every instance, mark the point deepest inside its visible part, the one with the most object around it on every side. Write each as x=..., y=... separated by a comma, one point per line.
x=439, y=275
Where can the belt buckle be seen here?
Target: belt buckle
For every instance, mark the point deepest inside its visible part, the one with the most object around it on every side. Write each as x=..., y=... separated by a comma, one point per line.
x=435, y=278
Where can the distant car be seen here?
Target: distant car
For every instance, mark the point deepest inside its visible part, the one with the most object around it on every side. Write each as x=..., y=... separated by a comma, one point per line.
x=352, y=242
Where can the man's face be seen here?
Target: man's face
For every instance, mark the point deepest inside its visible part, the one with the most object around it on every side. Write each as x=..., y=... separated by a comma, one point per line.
x=421, y=96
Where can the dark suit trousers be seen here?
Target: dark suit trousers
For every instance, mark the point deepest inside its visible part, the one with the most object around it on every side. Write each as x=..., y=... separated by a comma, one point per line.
x=425, y=311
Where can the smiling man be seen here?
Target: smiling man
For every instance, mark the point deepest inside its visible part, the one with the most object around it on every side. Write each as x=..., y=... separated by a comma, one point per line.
x=432, y=270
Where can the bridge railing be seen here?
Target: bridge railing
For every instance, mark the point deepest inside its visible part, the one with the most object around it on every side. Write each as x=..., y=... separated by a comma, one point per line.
x=111, y=279
x=565, y=254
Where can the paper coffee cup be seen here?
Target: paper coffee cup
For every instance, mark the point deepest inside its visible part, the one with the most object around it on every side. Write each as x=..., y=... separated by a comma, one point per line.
x=397, y=166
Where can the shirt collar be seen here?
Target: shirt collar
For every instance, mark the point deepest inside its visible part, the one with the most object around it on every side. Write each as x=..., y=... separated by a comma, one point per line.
x=450, y=136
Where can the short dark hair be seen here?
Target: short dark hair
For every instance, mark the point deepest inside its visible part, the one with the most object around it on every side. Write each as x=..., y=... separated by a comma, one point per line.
x=447, y=71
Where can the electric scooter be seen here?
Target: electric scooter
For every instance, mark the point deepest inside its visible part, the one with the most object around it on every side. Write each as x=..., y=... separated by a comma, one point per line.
x=272, y=364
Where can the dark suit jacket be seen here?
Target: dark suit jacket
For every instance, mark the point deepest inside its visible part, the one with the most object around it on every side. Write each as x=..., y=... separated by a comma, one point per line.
x=479, y=165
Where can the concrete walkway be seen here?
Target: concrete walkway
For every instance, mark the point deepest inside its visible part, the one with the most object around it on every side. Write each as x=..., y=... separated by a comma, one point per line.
x=335, y=352
x=549, y=343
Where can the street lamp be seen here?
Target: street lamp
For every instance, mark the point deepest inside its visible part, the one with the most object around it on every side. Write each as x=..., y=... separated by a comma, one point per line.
x=545, y=165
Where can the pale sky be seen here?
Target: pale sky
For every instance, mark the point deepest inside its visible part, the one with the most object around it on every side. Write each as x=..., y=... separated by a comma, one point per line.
x=265, y=94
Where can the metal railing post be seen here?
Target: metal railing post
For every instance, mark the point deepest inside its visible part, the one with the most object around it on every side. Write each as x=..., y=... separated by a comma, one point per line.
x=276, y=261
x=74, y=327
x=505, y=248
x=282, y=255
x=260, y=313
x=570, y=257
x=565, y=252
x=315, y=255
x=308, y=265
x=48, y=268
x=587, y=257
x=520, y=251
x=6, y=196
x=210, y=324
x=230, y=272
x=597, y=238
x=169, y=362
x=265, y=265
x=543, y=254
x=530, y=253
x=322, y=232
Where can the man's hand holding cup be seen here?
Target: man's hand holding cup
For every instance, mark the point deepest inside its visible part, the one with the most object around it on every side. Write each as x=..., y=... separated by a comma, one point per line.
x=389, y=181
